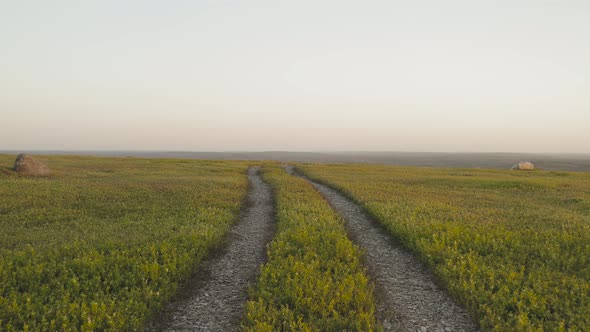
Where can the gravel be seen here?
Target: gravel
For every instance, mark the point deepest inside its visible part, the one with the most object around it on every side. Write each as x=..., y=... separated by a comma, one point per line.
x=407, y=296
x=217, y=294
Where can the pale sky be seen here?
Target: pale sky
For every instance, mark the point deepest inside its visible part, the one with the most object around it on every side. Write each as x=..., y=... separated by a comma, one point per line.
x=477, y=76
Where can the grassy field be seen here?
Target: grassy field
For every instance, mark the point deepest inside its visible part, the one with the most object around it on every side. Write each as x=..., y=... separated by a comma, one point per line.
x=104, y=243
x=313, y=280
x=513, y=247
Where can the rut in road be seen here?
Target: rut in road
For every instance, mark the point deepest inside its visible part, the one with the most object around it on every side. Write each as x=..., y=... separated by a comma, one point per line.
x=407, y=297
x=220, y=290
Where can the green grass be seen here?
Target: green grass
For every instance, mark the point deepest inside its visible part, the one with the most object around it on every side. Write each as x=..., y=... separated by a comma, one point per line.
x=104, y=243
x=313, y=280
x=513, y=247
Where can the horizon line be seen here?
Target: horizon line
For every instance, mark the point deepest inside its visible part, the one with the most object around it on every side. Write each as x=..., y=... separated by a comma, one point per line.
x=275, y=151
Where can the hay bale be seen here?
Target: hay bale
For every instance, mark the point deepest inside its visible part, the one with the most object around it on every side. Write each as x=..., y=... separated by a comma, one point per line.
x=523, y=166
x=27, y=165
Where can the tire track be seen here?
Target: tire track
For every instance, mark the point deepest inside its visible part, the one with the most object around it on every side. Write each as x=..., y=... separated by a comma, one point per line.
x=408, y=299
x=219, y=290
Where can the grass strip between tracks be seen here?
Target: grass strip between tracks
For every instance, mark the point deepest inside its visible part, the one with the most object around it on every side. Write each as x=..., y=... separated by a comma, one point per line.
x=314, y=279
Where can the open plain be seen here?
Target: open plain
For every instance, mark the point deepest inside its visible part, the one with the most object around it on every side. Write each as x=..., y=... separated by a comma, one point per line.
x=176, y=244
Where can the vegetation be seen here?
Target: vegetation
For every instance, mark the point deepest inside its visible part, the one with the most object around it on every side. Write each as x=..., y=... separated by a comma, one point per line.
x=105, y=242
x=313, y=280
x=513, y=247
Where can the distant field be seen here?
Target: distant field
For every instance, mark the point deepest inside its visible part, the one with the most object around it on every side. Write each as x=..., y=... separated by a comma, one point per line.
x=513, y=247
x=104, y=243
x=555, y=162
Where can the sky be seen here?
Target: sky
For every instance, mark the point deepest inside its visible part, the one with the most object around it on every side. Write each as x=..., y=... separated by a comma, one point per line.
x=442, y=76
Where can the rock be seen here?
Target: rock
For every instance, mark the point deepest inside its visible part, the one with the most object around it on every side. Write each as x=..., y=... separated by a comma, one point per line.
x=27, y=165
x=524, y=166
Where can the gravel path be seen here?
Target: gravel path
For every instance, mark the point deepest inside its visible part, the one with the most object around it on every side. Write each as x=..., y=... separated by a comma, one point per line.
x=407, y=296
x=219, y=291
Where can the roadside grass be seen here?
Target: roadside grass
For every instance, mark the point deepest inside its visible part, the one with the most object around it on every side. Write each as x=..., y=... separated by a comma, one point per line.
x=313, y=280
x=513, y=247
x=104, y=243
